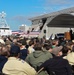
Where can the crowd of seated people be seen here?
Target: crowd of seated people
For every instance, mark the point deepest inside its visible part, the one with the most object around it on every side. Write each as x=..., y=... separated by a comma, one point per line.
x=36, y=56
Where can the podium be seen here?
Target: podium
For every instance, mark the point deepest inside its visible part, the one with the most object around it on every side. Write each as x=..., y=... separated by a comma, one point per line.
x=67, y=36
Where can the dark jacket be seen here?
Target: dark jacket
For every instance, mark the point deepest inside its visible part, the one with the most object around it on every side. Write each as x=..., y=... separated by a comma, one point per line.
x=23, y=53
x=3, y=60
x=58, y=65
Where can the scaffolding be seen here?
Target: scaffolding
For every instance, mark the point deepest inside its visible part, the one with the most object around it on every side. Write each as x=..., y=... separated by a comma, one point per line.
x=3, y=23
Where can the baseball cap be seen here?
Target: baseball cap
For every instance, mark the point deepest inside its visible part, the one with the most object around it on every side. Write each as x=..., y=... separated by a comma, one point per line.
x=56, y=50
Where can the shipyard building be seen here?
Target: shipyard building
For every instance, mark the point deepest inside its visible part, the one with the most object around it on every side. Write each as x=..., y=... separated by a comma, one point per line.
x=56, y=22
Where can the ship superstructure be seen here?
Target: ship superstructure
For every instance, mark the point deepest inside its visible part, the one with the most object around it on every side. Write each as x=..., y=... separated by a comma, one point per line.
x=3, y=23
x=4, y=27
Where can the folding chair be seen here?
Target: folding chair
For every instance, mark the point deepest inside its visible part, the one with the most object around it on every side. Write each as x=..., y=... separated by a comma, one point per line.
x=51, y=72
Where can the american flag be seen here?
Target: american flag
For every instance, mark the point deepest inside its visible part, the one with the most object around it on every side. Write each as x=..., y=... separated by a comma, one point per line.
x=17, y=32
x=34, y=33
x=30, y=34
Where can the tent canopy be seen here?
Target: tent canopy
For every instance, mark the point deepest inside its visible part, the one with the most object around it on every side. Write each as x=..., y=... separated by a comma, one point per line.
x=62, y=20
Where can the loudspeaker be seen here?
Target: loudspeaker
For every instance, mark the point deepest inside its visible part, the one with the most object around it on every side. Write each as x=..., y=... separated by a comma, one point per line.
x=44, y=31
